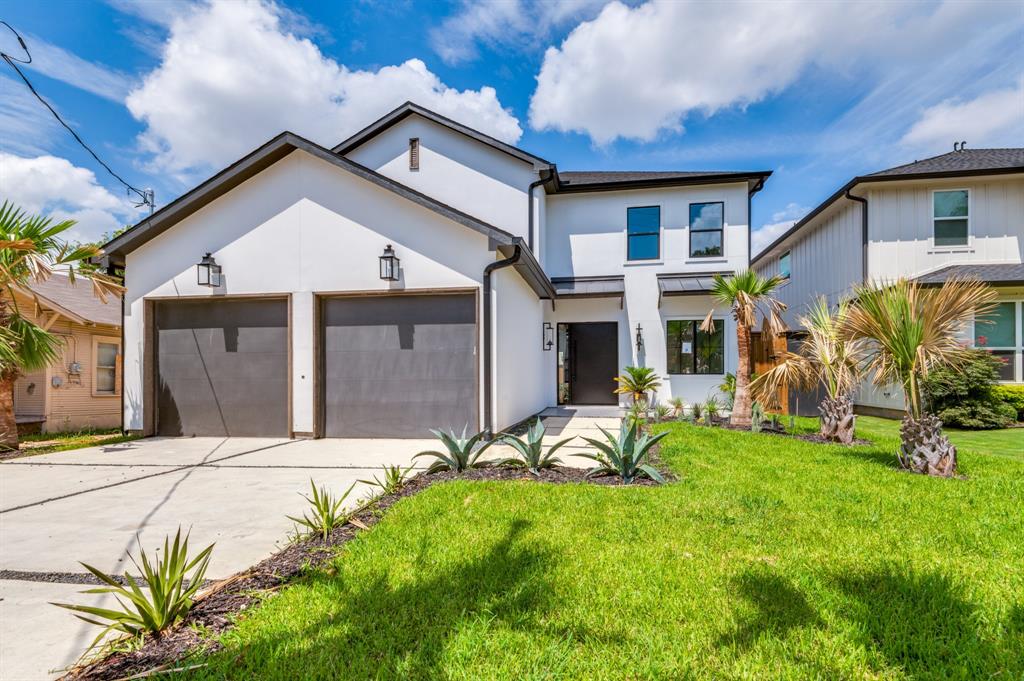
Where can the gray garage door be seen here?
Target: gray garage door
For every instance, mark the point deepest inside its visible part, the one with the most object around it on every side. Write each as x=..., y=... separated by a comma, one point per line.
x=395, y=366
x=222, y=368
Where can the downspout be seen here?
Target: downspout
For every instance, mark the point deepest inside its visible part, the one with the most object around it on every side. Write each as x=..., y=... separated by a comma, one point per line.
x=489, y=334
x=863, y=234
x=529, y=218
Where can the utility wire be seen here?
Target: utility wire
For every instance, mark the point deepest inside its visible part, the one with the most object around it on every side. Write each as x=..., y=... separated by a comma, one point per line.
x=145, y=195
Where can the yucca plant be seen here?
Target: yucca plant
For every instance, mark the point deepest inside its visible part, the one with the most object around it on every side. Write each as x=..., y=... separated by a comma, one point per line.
x=531, y=453
x=625, y=455
x=697, y=411
x=638, y=413
x=391, y=480
x=461, y=453
x=638, y=383
x=171, y=594
x=325, y=511
x=678, y=407
x=662, y=412
x=712, y=408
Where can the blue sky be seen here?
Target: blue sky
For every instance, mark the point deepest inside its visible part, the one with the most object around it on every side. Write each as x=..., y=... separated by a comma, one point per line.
x=170, y=92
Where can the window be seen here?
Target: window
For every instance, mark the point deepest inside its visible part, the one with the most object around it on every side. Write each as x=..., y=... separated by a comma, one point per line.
x=414, y=153
x=706, y=220
x=643, y=233
x=998, y=332
x=105, y=355
x=692, y=351
x=784, y=265
x=950, y=217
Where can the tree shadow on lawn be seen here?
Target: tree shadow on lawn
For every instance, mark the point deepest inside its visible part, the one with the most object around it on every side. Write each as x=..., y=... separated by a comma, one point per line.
x=383, y=631
x=780, y=608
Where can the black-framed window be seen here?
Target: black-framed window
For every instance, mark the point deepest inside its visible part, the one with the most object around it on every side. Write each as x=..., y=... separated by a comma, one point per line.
x=643, y=233
x=692, y=351
x=706, y=223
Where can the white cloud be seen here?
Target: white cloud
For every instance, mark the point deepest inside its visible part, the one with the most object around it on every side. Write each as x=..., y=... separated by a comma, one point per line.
x=25, y=126
x=781, y=221
x=48, y=185
x=59, y=64
x=211, y=100
x=991, y=119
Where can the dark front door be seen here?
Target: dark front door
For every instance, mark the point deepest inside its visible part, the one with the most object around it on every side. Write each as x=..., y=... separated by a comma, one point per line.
x=593, y=362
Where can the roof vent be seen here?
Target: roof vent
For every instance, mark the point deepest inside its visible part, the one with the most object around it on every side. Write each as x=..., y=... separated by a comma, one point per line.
x=960, y=146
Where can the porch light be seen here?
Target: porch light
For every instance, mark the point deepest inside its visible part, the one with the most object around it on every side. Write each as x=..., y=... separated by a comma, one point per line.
x=548, y=336
x=208, y=271
x=639, y=337
x=389, y=264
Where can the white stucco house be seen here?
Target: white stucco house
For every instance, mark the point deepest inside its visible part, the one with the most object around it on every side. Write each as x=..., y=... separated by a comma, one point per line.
x=958, y=214
x=516, y=287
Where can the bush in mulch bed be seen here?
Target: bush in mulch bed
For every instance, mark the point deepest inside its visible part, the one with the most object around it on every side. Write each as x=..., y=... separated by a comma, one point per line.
x=215, y=611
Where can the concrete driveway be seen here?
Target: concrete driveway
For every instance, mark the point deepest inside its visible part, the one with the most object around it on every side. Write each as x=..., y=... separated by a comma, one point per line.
x=98, y=504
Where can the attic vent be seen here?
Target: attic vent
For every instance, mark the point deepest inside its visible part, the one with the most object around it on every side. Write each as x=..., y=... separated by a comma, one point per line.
x=414, y=153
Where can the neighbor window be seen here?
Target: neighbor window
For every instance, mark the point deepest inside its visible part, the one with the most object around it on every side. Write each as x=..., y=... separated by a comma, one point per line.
x=105, y=352
x=784, y=265
x=950, y=217
x=414, y=153
x=997, y=333
x=706, y=221
x=643, y=232
x=692, y=351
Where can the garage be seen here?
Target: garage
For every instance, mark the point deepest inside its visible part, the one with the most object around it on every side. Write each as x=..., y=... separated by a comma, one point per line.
x=222, y=367
x=398, y=365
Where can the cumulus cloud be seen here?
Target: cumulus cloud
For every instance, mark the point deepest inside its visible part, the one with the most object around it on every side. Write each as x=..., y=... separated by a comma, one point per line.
x=233, y=75
x=781, y=221
x=991, y=119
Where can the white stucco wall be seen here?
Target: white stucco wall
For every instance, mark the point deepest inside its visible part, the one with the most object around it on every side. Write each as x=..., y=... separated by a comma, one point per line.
x=519, y=389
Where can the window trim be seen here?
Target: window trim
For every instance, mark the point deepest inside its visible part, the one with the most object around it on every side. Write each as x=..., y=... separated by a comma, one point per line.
x=1017, y=350
x=690, y=230
x=108, y=340
x=970, y=206
x=787, y=275
x=696, y=321
x=658, y=233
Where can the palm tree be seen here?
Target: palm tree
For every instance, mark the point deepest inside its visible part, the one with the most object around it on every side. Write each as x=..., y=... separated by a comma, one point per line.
x=747, y=295
x=910, y=329
x=30, y=247
x=638, y=382
x=826, y=358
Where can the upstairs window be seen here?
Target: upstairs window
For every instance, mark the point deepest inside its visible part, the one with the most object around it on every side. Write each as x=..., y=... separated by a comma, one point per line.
x=414, y=153
x=784, y=265
x=689, y=350
x=950, y=218
x=643, y=233
x=706, y=222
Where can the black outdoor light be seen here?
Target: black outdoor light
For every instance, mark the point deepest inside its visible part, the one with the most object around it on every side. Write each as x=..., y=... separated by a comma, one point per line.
x=549, y=336
x=639, y=337
x=389, y=264
x=208, y=271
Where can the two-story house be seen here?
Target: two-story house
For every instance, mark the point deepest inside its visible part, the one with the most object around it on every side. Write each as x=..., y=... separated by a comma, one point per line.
x=420, y=275
x=958, y=214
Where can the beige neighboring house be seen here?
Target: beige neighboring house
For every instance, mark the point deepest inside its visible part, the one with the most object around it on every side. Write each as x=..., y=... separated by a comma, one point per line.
x=82, y=389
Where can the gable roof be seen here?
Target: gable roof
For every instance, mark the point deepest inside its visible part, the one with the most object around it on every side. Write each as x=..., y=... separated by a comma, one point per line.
x=75, y=301
x=409, y=108
x=1009, y=274
x=261, y=159
x=965, y=163
x=569, y=181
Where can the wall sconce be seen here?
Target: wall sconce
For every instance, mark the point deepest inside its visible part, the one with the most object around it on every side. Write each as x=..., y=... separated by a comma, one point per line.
x=639, y=337
x=549, y=336
x=389, y=264
x=209, y=272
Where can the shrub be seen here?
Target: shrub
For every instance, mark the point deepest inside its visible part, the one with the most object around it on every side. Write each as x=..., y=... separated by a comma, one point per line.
x=392, y=480
x=461, y=453
x=531, y=450
x=171, y=592
x=325, y=512
x=1012, y=395
x=626, y=455
x=965, y=396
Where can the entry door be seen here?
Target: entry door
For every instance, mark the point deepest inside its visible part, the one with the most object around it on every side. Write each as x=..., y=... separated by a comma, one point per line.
x=594, y=362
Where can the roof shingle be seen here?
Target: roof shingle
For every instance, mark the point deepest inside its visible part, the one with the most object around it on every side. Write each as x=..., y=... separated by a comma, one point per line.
x=79, y=299
x=959, y=161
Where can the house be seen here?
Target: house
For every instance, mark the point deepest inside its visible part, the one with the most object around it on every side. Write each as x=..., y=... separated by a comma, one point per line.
x=958, y=214
x=82, y=389
x=420, y=274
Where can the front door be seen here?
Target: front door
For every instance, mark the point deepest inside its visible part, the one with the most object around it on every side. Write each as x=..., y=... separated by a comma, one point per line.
x=591, y=362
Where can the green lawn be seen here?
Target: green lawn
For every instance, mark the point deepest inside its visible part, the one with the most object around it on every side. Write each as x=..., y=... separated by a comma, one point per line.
x=47, y=443
x=769, y=558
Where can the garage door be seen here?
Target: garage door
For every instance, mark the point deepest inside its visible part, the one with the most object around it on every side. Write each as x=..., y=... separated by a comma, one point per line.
x=396, y=366
x=222, y=368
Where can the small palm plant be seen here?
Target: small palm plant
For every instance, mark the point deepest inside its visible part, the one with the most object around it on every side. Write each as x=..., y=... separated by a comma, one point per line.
x=531, y=452
x=325, y=513
x=391, y=480
x=461, y=453
x=171, y=594
x=625, y=455
x=638, y=383
x=728, y=388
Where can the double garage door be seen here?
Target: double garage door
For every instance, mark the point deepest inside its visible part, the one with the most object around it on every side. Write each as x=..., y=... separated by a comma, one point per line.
x=389, y=366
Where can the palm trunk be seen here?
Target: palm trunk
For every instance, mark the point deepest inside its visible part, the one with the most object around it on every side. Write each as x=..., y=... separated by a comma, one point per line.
x=923, y=447
x=741, y=403
x=8, y=423
x=837, y=419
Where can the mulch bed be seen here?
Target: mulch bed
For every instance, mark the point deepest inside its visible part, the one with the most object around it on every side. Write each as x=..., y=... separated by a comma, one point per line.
x=216, y=609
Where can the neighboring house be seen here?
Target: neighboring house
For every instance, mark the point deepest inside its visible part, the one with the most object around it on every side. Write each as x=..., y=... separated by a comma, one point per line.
x=82, y=389
x=958, y=214
x=516, y=286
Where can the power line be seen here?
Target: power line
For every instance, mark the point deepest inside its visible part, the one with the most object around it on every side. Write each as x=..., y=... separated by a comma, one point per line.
x=146, y=196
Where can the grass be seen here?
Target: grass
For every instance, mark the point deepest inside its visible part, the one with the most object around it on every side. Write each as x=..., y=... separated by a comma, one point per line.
x=48, y=443
x=769, y=558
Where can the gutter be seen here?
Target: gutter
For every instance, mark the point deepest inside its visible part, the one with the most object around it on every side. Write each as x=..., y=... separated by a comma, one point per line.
x=863, y=234
x=489, y=334
x=529, y=221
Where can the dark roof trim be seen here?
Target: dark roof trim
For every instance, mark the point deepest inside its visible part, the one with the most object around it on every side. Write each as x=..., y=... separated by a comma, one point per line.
x=861, y=179
x=261, y=159
x=1007, y=274
x=529, y=269
x=686, y=284
x=409, y=108
x=612, y=286
x=754, y=179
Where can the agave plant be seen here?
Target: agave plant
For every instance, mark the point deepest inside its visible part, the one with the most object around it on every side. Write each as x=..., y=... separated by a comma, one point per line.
x=325, y=512
x=625, y=455
x=531, y=452
x=171, y=594
x=638, y=382
x=461, y=453
x=391, y=480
